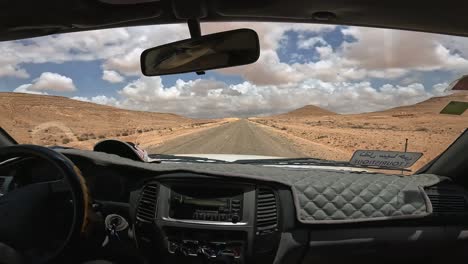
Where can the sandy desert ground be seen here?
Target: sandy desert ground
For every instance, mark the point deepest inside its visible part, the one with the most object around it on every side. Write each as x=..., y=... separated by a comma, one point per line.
x=427, y=131
x=308, y=131
x=54, y=120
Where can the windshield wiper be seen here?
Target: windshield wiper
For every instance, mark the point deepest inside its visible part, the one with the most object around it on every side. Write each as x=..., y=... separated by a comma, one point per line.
x=173, y=158
x=313, y=162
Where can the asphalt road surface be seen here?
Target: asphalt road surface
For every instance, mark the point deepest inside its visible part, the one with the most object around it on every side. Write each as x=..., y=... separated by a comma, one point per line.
x=239, y=137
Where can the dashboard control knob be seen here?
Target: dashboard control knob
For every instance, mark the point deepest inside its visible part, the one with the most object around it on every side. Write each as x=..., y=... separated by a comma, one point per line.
x=235, y=218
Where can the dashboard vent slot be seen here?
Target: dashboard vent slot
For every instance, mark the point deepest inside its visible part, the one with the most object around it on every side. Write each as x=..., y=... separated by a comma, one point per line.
x=447, y=201
x=267, y=211
x=146, y=209
x=2, y=182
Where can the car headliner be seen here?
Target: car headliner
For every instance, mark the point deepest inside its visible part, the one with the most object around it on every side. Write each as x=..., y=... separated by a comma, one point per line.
x=25, y=19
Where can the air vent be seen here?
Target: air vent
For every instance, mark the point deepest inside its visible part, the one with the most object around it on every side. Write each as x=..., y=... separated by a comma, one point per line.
x=267, y=211
x=448, y=200
x=146, y=209
x=2, y=181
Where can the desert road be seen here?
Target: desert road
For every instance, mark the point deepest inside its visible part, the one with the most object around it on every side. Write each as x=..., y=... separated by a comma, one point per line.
x=238, y=137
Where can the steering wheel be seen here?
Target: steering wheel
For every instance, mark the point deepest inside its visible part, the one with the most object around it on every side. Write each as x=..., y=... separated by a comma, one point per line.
x=22, y=209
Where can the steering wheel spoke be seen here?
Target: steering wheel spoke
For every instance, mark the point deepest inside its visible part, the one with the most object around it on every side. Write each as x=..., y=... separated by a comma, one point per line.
x=57, y=186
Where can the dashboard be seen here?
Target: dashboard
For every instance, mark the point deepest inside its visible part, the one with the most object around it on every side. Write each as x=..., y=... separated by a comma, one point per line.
x=191, y=218
x=187, y=217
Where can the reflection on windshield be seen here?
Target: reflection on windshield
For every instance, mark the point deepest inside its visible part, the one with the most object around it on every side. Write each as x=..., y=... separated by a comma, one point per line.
x=317, y=91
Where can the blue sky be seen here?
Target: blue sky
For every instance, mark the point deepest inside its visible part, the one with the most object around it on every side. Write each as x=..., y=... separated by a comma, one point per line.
x=343, y=69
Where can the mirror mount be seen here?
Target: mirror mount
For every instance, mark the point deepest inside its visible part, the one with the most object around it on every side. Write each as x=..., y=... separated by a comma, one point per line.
x=194, y=28
x=195, y=32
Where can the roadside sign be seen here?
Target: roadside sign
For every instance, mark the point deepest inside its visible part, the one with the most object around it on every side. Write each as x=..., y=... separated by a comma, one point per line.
x=381, y=158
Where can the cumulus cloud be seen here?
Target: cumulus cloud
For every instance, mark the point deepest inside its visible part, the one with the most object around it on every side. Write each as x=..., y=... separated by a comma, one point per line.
x=100, y=99
x=12, y=71
x=48, y=81
x=121, y=48
x=25, y=88
x=310, y=42
x=112, y=76
x=128, y=64
x=114, y=46
x=210, y=98
x=53, y=82
x=385, y=49
x=375, y=53
x=338, y=78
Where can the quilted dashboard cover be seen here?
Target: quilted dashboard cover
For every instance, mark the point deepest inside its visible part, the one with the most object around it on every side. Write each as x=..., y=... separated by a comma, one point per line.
x=334, y=198
x=321, y=196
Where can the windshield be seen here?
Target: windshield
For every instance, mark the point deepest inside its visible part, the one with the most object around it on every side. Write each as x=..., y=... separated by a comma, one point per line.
x=318, y=91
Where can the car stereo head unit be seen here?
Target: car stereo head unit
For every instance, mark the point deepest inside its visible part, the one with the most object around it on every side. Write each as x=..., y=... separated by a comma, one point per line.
x=206, y=204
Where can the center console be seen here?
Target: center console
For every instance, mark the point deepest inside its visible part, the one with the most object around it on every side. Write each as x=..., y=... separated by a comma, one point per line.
x=195, y=222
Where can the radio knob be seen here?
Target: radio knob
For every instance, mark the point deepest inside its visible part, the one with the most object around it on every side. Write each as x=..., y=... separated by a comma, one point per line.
x=235, y=218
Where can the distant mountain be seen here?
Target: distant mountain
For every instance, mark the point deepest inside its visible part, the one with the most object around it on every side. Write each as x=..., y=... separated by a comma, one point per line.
x=431, y=105
x=307, y=111
x=23, y=114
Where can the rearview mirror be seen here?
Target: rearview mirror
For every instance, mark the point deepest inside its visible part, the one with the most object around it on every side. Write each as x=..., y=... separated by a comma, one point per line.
x=214, y=51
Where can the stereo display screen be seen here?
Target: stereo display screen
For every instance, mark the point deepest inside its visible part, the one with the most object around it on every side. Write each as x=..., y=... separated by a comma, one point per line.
x=206, y=204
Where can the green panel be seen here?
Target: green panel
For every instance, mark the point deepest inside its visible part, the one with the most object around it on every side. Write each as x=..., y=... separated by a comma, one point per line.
x=455, y=108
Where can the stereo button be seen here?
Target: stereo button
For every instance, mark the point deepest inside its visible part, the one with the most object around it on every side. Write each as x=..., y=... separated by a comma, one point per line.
x=222, y=217
x=213, y=217
x=201, y=216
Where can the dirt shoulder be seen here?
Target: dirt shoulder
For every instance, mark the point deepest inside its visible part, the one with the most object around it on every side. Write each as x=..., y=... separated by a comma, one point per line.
x=157, y=137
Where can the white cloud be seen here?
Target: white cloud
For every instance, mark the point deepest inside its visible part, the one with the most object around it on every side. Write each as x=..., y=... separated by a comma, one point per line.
x=309, y=42
x=12, y=71
x=128, y=64
x=440, y=88
x=112, y=76
x=267, y=70
x=100, y=99
x=209, y=98
x=53, y=82
x=48, y=81
x=386, y=49
x=121, y=48
x=111, y=45
x=376, y=53
x=81, y=98
x=338, y=80
x=25, y=88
